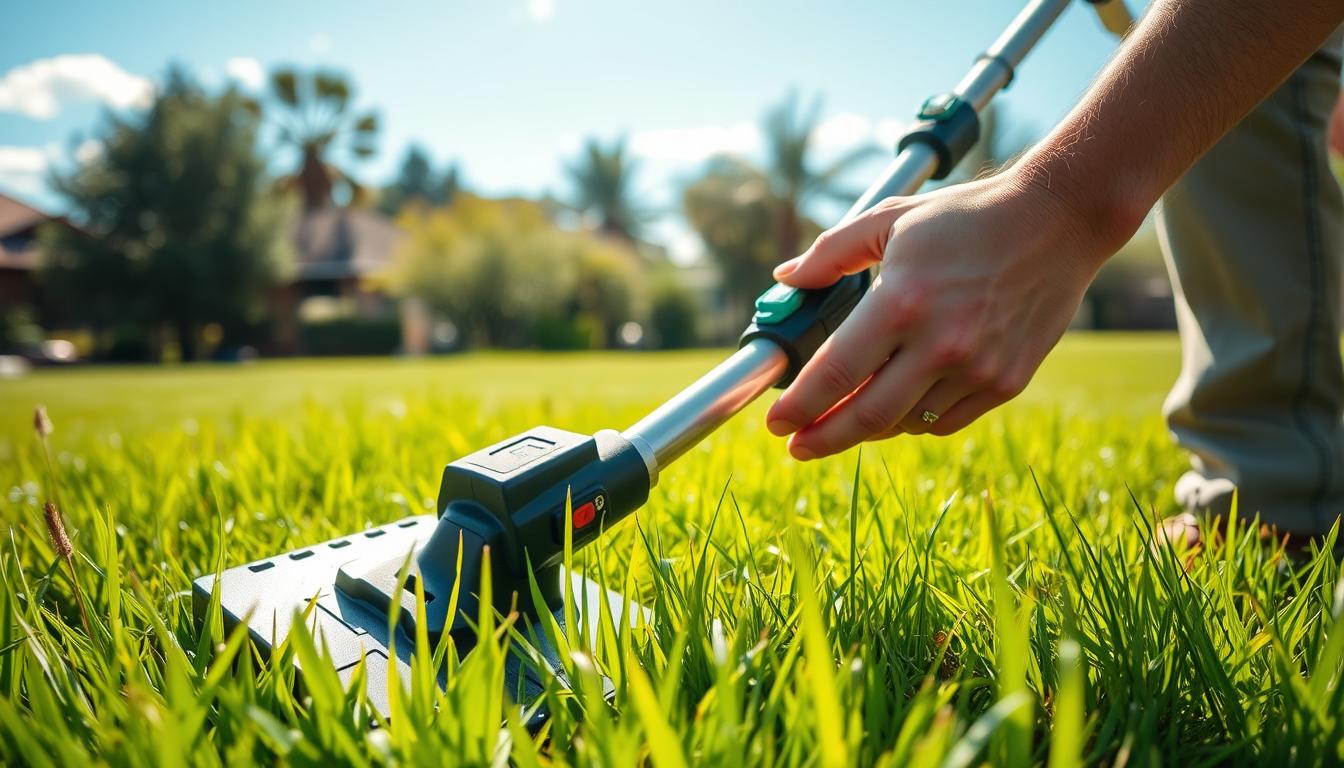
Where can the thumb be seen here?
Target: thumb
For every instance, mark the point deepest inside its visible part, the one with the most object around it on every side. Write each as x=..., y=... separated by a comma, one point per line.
x=851, y=247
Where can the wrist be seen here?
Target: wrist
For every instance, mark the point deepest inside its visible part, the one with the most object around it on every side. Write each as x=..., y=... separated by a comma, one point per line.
x=1101, y=212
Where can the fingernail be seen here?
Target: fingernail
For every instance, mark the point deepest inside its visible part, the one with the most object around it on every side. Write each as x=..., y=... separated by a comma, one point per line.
x=801, y=453
x=781, y=427
x=788, y=267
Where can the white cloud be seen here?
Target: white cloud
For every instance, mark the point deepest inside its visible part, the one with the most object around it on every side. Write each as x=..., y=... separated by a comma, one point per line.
x=568, y=144
x=247, y=71
x=889, y=131
x=843, y=130
x=696, y=144
x=29, y=189
x=42, y=88
x=23, y=171
x=541, y=10
x=847, y=130
x=24, y=160
x=319, y=43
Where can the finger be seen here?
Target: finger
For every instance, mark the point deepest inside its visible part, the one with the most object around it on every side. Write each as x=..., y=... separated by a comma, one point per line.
x=938, y=401
x=895, y=431
x=846, y=249
x=857, y=348
x=970, y=408
x=873, y=410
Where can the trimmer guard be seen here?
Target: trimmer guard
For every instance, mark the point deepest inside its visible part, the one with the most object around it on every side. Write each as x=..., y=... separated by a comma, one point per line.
x=276, y=590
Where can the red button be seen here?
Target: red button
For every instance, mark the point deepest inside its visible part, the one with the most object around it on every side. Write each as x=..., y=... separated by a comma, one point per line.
x=584, y=515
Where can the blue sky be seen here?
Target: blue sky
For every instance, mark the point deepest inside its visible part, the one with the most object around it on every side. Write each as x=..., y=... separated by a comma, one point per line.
x=509, y=89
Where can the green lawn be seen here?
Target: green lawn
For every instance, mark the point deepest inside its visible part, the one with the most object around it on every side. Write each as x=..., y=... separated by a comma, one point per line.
x=893, y=622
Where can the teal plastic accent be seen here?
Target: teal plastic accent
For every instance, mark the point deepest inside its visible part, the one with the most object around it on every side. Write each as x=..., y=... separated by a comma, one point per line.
x=777, y=303
x=939, y=108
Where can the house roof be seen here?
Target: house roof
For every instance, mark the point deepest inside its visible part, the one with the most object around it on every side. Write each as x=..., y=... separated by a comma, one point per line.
x=330, y=243
x=339, y=242
x=17, y=218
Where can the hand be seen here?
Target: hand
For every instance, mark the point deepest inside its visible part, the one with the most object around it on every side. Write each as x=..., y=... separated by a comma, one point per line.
x=978, y=282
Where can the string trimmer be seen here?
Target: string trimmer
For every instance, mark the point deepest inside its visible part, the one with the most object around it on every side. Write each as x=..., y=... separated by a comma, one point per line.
x=514, y=502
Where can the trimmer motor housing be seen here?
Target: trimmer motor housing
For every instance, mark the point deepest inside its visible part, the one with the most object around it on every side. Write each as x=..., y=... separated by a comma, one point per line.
x=507, y=502
x=510, y=499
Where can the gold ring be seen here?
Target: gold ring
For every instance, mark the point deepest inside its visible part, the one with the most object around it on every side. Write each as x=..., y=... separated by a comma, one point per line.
x=928, y=417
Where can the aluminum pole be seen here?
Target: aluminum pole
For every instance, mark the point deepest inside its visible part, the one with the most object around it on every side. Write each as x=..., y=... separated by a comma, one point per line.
x=679, y=424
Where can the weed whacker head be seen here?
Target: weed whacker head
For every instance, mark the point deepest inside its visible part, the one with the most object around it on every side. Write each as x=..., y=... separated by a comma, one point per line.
x=506, y=503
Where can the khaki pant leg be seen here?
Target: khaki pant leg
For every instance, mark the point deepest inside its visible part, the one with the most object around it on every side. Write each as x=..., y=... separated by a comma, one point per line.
x=1254, y=241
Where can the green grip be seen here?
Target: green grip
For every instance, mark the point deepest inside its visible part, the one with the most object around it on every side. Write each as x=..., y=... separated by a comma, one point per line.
x=776, y=304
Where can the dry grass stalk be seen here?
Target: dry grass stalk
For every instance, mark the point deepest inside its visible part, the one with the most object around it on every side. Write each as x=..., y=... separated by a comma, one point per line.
x=51, y=513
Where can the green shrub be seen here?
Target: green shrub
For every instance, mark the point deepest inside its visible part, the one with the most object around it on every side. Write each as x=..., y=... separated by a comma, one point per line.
x=18, y=330
x=578, y=331
x=675, y=316
x=504, y=274
x=351, y=336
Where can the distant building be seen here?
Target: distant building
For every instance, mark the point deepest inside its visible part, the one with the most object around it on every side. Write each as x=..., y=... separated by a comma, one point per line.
x=19, y=224
x=720, y=323
x=336, y=249
x=336, y=252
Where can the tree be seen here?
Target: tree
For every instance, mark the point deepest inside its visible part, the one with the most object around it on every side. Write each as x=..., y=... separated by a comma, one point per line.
x=471, y=264
x=604, y=189
x=789, y=135
x=19, y=330
x=605, y=285
x=176, y=231
x=732, y=209
x=674, y=314
x=752, y=218
x=417, y=183
x=314, y=117
x=507, y=277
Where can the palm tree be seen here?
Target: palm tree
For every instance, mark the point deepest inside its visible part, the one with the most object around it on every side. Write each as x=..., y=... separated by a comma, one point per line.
x=603, y=180
x=314, y=116
x=751, y=218
x=733, y=210
x=789, y=136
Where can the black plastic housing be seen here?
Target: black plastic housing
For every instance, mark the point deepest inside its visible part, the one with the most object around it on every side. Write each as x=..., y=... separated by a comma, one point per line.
x=801, y=333
x=511, y=497
x=950, y=135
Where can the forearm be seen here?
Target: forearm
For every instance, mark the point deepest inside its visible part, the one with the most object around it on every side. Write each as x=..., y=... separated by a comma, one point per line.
x=1188, y=73
x=980, y=280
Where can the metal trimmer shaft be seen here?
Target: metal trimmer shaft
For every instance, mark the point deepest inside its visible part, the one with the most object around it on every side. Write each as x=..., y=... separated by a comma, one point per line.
x=766, y=360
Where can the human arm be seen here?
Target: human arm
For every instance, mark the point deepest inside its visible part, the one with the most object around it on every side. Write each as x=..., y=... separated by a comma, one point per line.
x=979, y=281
